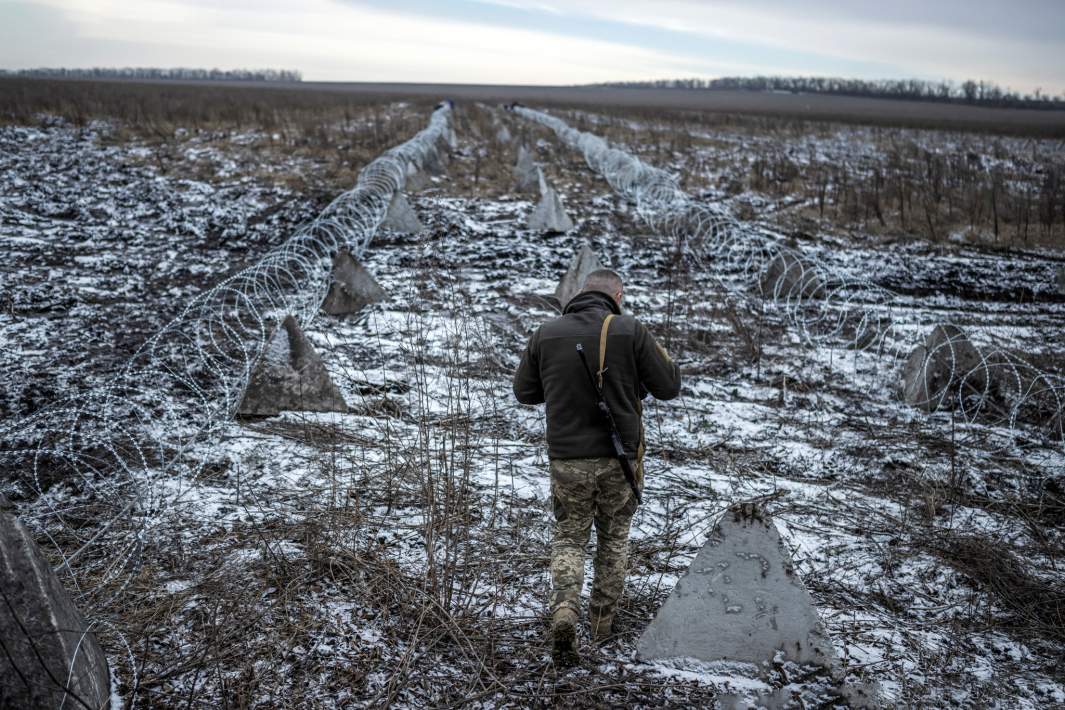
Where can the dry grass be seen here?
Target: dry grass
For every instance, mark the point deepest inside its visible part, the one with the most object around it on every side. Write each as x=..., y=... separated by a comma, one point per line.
x=159, y=107
x=1038, y=604
x=309, y=141
x=994, y=191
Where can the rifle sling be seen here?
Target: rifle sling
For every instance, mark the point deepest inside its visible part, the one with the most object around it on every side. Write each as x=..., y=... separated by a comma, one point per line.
x=602, y=350
x=599, y=379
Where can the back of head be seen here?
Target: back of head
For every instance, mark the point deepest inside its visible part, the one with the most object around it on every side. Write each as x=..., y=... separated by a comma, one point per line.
x=603, y=280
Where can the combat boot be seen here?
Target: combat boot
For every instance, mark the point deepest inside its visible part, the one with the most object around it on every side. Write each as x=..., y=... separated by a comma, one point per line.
x=602, y=623
x=564, y=638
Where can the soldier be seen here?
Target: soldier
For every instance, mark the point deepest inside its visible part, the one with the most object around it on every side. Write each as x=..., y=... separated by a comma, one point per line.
x=588, y=484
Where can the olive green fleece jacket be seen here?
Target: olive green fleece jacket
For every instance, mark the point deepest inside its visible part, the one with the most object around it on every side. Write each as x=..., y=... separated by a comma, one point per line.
x=551, y=372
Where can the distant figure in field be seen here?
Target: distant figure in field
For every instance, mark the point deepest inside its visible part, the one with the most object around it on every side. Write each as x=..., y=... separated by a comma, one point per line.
x=588, y=483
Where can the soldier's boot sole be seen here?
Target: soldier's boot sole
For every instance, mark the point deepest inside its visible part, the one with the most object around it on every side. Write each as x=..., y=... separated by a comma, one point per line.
x=564, y=651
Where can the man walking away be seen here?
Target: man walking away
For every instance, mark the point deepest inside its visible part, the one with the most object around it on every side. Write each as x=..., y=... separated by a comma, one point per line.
x=588, y=484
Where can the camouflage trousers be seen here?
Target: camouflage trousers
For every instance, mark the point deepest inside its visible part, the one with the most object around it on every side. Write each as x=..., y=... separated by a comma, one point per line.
x=583, y=492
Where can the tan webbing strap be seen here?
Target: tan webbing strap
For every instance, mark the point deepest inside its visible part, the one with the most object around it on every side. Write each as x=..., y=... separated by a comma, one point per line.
x=638, y=469
x=602, y=351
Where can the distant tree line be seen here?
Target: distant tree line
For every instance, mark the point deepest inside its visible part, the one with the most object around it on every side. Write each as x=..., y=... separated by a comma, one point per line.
x=970, y=92
x=156, y=73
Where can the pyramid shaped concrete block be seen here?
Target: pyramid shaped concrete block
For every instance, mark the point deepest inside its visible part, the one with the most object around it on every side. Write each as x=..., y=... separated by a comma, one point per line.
x=739, y=601
x=790, y=277
x=400, y=217
x=945, y=364
x=290, y=376
x=549, y=215
x=525, y=160
x=435, y=162
x=526, y=172
x=415, y=180
x=46, y=639
x=503, y=135
x=353, y=287
x=584, y=263
x=446, y=142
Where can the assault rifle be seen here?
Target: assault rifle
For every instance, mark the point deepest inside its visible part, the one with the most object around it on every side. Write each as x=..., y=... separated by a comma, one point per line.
x=615, y=437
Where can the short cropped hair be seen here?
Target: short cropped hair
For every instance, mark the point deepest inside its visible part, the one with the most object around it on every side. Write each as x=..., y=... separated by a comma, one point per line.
x=603, y=280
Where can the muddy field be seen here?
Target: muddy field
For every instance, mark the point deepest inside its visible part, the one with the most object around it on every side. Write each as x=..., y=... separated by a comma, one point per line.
x=396, y=553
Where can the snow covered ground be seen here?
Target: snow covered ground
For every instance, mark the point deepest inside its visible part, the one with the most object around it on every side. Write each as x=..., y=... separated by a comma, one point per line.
x=397, y=554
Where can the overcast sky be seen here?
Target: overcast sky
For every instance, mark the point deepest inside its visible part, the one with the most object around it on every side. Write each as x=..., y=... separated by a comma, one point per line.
x=1015, y=43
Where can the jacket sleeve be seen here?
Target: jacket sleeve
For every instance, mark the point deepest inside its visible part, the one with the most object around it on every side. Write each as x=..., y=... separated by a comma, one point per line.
x=528, y=388
x=658, y=373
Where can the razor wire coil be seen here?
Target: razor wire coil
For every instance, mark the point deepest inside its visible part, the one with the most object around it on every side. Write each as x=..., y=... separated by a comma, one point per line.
x=128, y=446
x=993, y=386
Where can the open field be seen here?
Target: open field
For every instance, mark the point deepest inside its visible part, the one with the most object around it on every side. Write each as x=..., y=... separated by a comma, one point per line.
x=889, y=112
x=805, y=106
x=395, y=554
